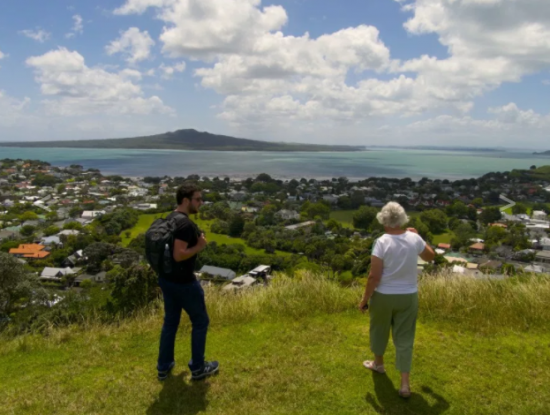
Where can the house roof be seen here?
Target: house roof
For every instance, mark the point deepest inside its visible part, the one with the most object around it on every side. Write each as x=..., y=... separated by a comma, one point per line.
x=216, y=271
x=27, y=249
x=478, y=246
x=444, y=246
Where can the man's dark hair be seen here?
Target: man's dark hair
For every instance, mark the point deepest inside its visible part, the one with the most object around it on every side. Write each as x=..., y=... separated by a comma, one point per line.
x=186, y=191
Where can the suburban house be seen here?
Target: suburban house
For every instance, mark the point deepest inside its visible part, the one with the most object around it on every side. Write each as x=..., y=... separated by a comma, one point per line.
x=55, y=274
x=543, y=256
x=34, y=251
x=97, y=278
x=90, y=214
x=286, y=214
x=444, y=246
x=216, y=272
x=540, y=215
x=477, y=248
x=545, y=244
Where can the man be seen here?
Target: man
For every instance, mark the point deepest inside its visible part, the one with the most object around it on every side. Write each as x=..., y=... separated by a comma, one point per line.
x=181, y=290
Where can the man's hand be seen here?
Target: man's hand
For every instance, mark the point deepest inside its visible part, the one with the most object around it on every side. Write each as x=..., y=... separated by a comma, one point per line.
x=201, y=243
x=364, y=305
x=413, y=230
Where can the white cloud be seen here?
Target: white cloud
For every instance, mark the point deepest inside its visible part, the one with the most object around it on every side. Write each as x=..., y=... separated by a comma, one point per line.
x=2, y=56
x=39, y=35
x=546, y=82
x=11, y=109
x=508, y=126
x=78, y=27
x=133, y=44
x=168, y=71
x=75, y=89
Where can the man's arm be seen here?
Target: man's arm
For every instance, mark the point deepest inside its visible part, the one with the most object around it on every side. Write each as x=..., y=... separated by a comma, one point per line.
x=182, y=252
x=375, y=275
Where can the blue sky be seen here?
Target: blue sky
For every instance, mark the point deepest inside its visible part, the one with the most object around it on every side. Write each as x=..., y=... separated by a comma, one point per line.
x=372, y=72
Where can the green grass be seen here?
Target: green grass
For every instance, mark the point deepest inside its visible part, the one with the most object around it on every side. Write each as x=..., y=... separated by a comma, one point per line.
x=146, y=220
x=444, y=238
x=296, y=348
x=143, y=224
x=345, y=217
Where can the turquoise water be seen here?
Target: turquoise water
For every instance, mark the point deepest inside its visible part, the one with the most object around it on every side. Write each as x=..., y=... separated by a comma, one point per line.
x=380, y=162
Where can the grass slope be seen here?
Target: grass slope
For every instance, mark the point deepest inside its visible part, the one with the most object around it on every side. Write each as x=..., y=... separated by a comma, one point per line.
x=296, y=348
x=146, y=220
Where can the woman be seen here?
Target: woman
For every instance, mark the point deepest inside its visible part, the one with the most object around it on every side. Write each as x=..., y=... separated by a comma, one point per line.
x=391, y=294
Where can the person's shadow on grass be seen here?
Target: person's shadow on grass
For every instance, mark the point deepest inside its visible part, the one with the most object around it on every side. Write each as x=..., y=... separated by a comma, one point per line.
x=180, y=396
x=389, y=401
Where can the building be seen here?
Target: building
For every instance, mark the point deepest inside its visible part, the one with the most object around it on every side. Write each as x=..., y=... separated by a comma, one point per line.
x=477, y=248
x=56, y=274
x=545, y=244
x=208, y=271
x=540, y=215
x=33, y=251
x=444, y=246
x=286, y=214
x=90, y=214
x=543, y=256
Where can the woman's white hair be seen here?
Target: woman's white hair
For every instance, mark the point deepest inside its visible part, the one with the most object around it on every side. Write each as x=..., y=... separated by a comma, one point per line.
x=392, y=215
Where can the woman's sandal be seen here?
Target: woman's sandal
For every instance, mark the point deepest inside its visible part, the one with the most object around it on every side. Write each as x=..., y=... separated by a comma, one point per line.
x=405, y=393
x=369, y=364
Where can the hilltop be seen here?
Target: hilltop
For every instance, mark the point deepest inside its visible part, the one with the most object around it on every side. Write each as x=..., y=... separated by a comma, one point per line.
x=296, y=347
x=543, y=153
x=183, y=140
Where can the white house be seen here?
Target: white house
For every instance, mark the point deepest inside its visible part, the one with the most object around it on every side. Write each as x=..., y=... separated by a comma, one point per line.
x=218, y=272
x=545, y=243
x=90, y=214
x=55, y=274
x=540, y=215
x=286, y=214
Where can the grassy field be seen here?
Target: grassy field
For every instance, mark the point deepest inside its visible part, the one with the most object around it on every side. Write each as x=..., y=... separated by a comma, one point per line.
x=146, y=220
x=444, y=238
x=345, y=217
x=296, y=348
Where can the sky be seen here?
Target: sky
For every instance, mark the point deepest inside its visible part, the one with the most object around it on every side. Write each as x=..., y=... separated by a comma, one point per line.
x=362, y=72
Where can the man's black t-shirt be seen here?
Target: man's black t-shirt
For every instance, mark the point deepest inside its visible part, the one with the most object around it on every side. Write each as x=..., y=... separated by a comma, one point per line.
x=187, y=231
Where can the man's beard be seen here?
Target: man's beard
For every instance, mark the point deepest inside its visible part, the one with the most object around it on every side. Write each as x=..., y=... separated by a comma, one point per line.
x=193, y=210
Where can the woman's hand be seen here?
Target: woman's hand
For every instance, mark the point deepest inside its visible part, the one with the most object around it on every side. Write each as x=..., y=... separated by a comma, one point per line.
x=413, y=230
x=364, y=305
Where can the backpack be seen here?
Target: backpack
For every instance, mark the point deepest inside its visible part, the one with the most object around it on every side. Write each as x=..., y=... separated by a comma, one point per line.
x=159, y=242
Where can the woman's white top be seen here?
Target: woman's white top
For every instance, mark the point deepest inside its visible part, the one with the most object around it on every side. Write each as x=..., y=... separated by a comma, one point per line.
x=400, y=256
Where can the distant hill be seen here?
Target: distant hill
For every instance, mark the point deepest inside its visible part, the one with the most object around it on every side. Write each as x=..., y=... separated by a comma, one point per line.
x=544, y=153
x=184, y=140
x=539, y=173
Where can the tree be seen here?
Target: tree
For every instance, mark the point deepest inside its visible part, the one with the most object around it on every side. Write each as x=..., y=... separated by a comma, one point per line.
x=490, y=215
x=421, y=227
x=236, y=226
x=435, y=219
x=519, y=208
x=133, y=288
x=18, y=288
x=317, y=209
x=27, y=230
x=477, y=202
x=51, y=230
x=363, y=218
x=28, y=215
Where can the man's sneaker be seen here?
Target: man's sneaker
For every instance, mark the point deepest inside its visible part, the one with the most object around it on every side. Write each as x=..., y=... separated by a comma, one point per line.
x=163, y=374
x=209, y=368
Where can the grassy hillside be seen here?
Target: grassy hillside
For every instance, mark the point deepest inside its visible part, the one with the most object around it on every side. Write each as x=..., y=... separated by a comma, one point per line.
x=296, y=348
x=184, y=140
x=146, y=220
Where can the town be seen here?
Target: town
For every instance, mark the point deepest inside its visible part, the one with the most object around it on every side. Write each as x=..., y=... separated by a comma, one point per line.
x=75, y=229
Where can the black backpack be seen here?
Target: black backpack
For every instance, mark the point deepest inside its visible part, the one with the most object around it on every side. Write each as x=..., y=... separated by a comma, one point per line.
x=159, y=242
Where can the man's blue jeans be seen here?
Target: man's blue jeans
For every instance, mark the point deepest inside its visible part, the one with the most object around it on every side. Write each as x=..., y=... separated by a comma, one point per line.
x=189, y=297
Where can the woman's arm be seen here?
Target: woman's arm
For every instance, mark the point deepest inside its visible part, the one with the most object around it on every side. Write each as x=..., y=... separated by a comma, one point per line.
x=375, y=275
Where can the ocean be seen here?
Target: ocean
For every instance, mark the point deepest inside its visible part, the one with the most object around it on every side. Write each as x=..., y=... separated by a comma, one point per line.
x=396, y=163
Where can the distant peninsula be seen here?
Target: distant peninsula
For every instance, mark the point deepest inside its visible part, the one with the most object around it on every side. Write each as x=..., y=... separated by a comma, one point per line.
x=544, y=153
x=188, y=139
